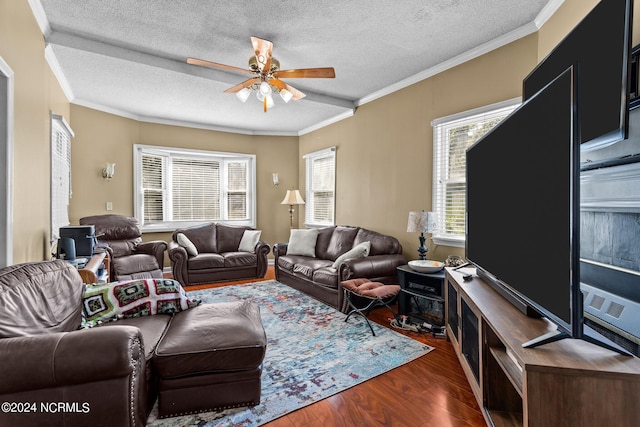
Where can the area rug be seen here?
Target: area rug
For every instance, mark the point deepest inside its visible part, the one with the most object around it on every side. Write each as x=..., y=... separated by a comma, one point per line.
x=311, y=354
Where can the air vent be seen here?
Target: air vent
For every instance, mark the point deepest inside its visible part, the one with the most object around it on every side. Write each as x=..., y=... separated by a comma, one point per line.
x=615, y=309
x=597, y=302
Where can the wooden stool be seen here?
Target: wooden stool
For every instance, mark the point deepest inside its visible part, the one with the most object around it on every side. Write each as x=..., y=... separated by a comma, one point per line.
x=377, y=293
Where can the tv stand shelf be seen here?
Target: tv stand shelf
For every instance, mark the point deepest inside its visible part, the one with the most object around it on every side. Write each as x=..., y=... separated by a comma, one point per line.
x=564, y=383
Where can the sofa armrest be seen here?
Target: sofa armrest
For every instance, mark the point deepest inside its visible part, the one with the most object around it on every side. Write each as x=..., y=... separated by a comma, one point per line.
x=280, y=249
x=371, y=267
x=68, y=358
x=179, y=258
x=155, y=248
x=262, y=252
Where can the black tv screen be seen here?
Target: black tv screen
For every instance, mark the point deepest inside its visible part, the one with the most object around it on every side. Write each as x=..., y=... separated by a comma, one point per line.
x=599, y=49
x=522, y=205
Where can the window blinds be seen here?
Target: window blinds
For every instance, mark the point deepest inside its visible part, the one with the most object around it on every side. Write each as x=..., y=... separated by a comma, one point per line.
x=452, y=136
x=61, y=135
x=320, y=191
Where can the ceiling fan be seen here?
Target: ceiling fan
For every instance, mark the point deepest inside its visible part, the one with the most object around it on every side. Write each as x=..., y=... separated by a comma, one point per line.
x=267, y=75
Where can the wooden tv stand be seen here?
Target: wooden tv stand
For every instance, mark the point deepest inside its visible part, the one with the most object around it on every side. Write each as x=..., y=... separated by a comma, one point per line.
x=564, y=383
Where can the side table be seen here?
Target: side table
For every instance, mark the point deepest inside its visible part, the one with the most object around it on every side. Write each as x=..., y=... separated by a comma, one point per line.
x=422, y=295
x=97, y=269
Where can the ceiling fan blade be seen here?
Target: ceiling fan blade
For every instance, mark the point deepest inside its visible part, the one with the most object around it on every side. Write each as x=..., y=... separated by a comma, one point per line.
x=263, y=50
x=282, y=85
x=203, y=63
x=244, y=84
x=327, y=72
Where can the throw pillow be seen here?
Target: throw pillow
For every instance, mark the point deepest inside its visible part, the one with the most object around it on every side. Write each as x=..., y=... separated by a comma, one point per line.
x=358, y=251
x=132, y=298
x=249, y=241
x=303, y=242
x=187, y=244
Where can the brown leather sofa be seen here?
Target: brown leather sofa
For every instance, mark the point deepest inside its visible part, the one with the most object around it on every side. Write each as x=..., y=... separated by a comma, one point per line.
x=218, y=256
x=131, y=258
x=316, y=276
x=55, y=374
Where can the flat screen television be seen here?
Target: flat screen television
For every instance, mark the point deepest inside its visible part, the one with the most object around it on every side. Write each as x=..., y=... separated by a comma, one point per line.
x=522, y=191
x=523, y=185
x=600, y=48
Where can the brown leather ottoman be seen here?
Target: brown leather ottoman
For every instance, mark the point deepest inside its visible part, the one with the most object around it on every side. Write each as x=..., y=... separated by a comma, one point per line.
x=210, y=358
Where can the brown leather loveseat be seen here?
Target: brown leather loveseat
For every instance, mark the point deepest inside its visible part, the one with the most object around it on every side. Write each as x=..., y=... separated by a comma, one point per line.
x=320, y=277
x=57, y=375
x=216, y=252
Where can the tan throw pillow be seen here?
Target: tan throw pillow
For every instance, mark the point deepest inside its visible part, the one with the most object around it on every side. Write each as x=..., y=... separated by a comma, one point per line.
x=358, y=251
x=187, y=244
x=303, y=242
x=249, y=241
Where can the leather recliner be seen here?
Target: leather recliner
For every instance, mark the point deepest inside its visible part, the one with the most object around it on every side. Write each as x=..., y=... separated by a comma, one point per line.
x=131, y=258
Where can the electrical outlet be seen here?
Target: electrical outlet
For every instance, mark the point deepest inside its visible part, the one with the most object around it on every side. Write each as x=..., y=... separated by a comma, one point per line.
x=109, y=206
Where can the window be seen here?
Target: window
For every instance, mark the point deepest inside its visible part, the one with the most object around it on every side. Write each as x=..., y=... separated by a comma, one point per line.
x=177, y=188
x=320, y=190
x=61, y=135
x=451, y=137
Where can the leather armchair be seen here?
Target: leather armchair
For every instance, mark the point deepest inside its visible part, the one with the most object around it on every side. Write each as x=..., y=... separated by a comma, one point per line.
x=131, y=258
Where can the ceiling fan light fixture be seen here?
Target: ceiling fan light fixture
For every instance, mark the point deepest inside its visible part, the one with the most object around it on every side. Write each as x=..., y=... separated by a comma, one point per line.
x=270, y=103
x=259, y=95
x=285, y=95
x=265, y=88
x=243, y=94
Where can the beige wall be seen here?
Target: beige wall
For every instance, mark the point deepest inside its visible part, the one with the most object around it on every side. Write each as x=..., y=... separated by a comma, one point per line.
x=384, y=154
x=384, y=157
x=36, y=94
x=102, y=137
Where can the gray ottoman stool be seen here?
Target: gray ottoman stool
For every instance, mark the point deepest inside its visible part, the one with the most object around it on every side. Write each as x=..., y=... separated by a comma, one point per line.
x=210, y=358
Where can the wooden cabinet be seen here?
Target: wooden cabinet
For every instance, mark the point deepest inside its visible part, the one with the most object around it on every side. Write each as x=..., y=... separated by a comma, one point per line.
x=565, y=383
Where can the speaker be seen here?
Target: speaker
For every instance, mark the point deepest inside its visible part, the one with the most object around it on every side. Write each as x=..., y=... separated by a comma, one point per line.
x=66, y=249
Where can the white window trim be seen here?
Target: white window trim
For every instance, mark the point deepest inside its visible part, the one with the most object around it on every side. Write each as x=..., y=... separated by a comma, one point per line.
x=440, y=237
x=331, y=151
x=59, y=122
x=139, y=149
x=6, y=163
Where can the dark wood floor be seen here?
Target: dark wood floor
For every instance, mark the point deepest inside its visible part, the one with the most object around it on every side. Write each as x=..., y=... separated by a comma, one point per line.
x=430, y=391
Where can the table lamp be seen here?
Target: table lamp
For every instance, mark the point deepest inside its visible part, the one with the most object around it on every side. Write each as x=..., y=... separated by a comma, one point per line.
x=293, y=197
x=422, y=222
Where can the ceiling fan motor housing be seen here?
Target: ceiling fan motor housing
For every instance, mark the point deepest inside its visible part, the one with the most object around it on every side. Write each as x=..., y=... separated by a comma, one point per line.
x=253, y=64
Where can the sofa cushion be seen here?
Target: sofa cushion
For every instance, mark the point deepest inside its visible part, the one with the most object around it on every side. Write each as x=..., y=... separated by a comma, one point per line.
x=358, y=251
x=134, y=264
x=151, y=327
x=186, y=244
x=249, y=240
x=203, y=237
x=39, y=298
x=205, y=261
x=134, y=298
x=341, y=241
x=380, y=244
x=240, y=259
x=306, y=267
x=303, y=242
x=326, y=276
x=229, y=237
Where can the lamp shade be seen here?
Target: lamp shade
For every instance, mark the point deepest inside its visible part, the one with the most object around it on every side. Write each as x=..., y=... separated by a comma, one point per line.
x=422, y=222
x=293, y=197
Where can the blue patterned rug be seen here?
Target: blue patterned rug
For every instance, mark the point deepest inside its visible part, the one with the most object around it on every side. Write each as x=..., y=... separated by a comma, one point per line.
x=311, y=354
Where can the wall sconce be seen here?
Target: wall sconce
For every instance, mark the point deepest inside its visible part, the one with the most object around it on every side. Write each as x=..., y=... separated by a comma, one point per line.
x=108, y=171
x=276, y=179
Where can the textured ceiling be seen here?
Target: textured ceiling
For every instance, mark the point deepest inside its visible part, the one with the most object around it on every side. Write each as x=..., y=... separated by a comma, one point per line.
x=128, y=56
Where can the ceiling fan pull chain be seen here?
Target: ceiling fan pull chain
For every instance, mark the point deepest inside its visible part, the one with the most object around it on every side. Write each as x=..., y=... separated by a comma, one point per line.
x=264, y=101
